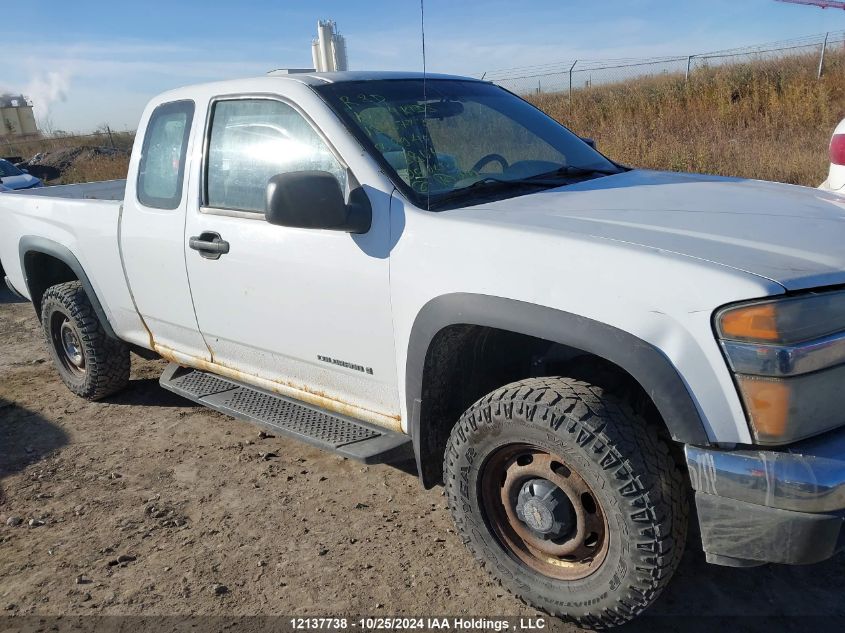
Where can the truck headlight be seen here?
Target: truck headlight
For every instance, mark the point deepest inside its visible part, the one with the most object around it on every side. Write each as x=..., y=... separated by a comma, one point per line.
x=788, y=356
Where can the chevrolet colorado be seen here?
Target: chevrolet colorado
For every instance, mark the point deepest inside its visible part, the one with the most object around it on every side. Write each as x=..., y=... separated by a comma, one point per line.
x=589, y=357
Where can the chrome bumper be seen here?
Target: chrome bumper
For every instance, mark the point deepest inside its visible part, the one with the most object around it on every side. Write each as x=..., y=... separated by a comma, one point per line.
x=806, y=477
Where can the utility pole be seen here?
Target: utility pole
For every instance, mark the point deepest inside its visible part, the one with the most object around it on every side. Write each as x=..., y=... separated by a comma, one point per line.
x=822, y=4
x=821, y=60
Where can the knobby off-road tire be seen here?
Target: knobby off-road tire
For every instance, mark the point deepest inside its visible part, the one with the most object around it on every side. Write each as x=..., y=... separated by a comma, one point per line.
x=96, y=365
x=630, y=492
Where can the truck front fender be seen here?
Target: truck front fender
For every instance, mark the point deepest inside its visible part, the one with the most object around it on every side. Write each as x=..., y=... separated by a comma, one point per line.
x=645, y=363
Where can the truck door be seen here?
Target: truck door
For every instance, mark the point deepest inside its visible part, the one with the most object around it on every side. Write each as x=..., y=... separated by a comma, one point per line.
x=306, y=310
x=152, y=230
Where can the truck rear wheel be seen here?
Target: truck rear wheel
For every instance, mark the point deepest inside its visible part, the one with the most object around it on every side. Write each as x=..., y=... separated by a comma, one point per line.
x=92, y=364
x=568, y=498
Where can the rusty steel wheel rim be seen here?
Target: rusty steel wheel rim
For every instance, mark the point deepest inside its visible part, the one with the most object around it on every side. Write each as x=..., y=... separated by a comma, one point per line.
x=67, y=343
x=543, y=512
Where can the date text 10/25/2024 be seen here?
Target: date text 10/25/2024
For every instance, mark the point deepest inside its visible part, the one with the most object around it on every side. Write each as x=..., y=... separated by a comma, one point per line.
x=419, y=624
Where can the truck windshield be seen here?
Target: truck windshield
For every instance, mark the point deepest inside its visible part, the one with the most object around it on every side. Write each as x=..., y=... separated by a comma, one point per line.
x=453, y=142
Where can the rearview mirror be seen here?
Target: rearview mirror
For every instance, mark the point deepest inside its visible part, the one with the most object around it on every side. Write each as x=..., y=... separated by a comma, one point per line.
x=589, y=141
x=313, y=200
x=443, y=109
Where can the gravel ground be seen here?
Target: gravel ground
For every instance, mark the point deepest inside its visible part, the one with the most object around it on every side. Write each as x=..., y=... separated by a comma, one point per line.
x=147, y=504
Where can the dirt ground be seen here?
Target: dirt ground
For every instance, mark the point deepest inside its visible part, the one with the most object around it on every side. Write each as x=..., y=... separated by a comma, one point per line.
x=152, y=505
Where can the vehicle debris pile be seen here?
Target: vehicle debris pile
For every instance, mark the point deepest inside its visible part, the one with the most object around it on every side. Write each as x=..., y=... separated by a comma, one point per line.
x=52, y=164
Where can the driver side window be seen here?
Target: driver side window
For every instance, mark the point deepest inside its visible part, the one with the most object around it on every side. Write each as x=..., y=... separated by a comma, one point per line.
x=252, y=140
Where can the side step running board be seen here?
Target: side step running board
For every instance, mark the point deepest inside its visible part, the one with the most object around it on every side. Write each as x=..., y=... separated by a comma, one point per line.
x=338, y=433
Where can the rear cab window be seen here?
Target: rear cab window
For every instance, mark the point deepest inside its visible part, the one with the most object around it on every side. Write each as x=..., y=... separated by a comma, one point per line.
x=161, y=171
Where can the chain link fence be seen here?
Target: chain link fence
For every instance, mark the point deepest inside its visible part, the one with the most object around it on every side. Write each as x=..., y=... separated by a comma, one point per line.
x=568, y=76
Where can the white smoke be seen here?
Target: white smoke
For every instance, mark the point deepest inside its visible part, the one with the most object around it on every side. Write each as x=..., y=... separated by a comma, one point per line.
x=47, y=88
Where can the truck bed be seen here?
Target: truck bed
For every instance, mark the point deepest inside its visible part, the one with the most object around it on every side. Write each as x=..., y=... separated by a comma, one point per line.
x=102, y=190
x=83, y=219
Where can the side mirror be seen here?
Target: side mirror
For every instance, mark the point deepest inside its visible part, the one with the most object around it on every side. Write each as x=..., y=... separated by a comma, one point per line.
x=313, y=200
x=26, y=171
x=589, y=141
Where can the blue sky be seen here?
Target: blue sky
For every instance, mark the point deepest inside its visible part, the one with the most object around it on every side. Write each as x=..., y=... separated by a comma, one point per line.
x=88, y=63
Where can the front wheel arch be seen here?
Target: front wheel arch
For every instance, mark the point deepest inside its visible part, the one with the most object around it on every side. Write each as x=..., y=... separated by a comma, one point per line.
x=447, y=316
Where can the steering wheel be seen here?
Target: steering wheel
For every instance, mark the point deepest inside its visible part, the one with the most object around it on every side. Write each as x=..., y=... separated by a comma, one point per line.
x=489, y=158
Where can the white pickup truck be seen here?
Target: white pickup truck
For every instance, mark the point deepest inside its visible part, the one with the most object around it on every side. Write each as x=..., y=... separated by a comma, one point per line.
x=589, y=357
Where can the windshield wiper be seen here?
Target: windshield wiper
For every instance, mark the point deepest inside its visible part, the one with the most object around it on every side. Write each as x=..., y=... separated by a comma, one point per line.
x=571, y=170
x=548, y=179
x=543, y=179
x=490, y=184
x=492, y=180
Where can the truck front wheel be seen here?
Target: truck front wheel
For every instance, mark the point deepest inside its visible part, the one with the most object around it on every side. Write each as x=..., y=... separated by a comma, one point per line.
x=568, y=498
x=92, y=364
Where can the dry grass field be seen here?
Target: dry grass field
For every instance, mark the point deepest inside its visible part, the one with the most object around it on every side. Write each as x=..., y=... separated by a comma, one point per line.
x=97, y=168
x=51, y=143
x=769, y=120
x=77, y=156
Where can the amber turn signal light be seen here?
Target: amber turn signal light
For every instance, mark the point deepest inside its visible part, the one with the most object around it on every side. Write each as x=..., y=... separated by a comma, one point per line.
x=754, y=322
x=767, y=403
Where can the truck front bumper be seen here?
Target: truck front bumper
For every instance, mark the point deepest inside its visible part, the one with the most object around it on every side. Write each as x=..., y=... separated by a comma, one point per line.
x=784, y=506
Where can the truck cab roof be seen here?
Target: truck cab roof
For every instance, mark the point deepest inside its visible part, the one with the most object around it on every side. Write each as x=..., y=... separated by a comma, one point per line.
x=316, y=79
x=271, y=79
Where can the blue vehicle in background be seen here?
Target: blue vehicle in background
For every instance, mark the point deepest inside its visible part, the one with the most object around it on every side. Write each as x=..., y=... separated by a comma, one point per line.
x=13, y=178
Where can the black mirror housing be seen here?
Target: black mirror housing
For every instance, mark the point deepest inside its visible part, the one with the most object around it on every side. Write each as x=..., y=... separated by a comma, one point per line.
x=313, y=200
x=589, y=141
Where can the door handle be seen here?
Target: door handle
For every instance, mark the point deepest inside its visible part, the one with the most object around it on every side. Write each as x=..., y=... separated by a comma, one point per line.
x=209, y=244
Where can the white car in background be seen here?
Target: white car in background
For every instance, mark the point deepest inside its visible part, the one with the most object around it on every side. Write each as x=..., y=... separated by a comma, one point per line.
x=836, y=178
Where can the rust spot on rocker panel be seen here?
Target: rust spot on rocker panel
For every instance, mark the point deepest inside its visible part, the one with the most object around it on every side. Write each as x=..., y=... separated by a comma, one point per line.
x=297, y=392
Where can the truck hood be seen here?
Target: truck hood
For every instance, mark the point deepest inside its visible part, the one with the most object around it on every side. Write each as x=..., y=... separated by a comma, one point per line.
x=791, y=235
